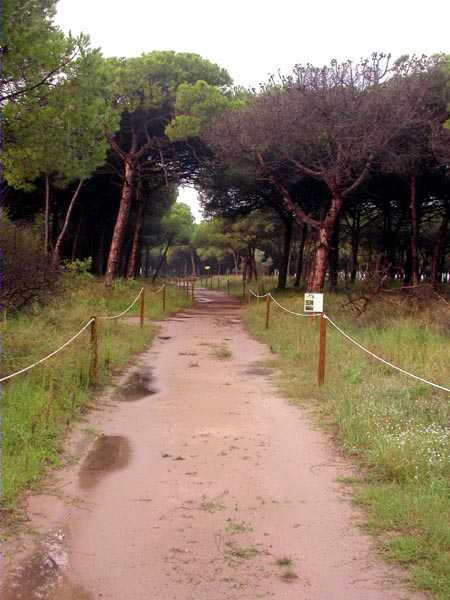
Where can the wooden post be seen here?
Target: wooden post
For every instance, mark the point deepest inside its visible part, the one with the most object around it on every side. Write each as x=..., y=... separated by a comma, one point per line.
x=94, y=352
x=164, y=298
x=228, y=286
x=249, y=296
x=186, y=284
x=142, y=312
x=257, y=293
x=218, y=283
x=193, y=292
x=212, y=278
x=244, y=290
x=267, y=311
x=322, y=350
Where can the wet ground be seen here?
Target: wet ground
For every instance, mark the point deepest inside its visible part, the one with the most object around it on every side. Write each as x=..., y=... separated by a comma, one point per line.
x=196, y=481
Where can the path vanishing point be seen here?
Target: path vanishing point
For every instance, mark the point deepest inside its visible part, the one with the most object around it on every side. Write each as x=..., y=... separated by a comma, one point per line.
x=203, y=484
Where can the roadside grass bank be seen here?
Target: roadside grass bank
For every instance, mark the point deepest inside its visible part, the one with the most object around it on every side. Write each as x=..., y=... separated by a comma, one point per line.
x=397, y=430
x=37, y=406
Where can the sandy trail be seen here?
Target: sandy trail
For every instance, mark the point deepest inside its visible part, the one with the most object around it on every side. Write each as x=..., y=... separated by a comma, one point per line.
x=203, y=479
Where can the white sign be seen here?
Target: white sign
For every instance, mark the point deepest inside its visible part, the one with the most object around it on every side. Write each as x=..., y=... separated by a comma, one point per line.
x=313, y=303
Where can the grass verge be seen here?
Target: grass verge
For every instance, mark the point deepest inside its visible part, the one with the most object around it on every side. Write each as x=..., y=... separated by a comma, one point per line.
x=396, y=429
x=38, y=406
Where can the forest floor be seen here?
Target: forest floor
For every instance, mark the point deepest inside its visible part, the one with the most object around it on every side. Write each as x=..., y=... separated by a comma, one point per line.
x=194, y=479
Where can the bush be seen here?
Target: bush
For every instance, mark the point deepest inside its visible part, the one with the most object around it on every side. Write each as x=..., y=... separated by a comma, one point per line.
x=27, y=274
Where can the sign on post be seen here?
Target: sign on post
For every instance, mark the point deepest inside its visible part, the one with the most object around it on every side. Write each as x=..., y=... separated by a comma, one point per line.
x=313, y=303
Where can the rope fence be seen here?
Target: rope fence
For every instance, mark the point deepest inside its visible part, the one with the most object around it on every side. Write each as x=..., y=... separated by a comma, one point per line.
x=92, y=323
x=324, y=318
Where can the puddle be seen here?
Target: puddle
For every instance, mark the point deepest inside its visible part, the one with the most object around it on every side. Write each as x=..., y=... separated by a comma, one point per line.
x=110, y=453
x=258, y=371
x=38, y=577
x=139, y=385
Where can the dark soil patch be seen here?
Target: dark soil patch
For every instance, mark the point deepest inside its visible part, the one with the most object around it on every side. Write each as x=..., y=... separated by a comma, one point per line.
x=258, y=371
x=110, y=453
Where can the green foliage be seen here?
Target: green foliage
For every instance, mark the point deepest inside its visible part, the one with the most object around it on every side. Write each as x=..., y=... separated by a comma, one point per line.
x=64, y=136
x=178, y=224
x=196, y=104
x=150, y=81
x=35, y=50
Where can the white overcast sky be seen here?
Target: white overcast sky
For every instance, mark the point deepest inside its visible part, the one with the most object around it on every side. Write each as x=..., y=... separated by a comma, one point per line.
x=255, y=38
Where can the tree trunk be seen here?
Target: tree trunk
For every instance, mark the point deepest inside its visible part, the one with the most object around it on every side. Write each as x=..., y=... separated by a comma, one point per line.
x=134, y=246
x=194, y=270
x=439, y=246
x=61, y=236
x=253, y=259
x=121, y=222
x=414, y=231
x=46, y=212
x=301, y=251
x=334, y=256
x=356, y=229
x=161, y=262
x=284, y=264
x=319, y=270
x=235, y=259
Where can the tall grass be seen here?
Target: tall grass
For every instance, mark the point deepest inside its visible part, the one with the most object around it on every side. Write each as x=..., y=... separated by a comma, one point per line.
x=37, y=406
x=395, y=428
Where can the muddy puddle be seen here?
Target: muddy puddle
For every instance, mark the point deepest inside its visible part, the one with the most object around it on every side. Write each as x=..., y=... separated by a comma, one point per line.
x=39, y=575
x=139, y=385
x=258, y=371
x=110, y=453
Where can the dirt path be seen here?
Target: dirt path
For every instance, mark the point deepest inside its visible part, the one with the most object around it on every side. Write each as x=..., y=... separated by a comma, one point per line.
x=203, y=479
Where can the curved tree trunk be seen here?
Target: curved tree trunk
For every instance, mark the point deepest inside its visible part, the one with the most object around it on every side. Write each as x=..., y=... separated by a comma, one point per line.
x=334, y=256
x=121, y=222
x=162, y=260
x=131, y=270
x=62, y=234
x=320, y=265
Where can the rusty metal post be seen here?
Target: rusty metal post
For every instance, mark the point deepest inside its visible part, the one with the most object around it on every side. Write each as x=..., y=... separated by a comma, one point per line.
x=267, y=311
x=94, y=352
x=164, y=298
x=142, y=311
x=322, y=350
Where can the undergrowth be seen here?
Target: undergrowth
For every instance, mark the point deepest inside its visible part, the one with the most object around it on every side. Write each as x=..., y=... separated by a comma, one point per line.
x=397, y=429
x=37, y=406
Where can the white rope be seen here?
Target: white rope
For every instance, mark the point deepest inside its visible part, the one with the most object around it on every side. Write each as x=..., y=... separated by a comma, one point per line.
x=158, y=290
x=296, y=314
x=257, y=295
x=126, y=310
x=440, y=387
x=74, y=337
